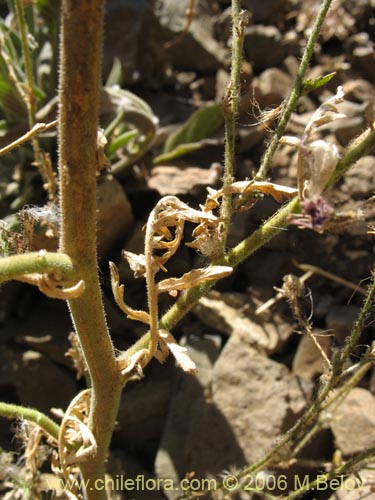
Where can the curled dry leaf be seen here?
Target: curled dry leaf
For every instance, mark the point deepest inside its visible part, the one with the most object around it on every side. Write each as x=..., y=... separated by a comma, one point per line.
x=76, y=442
x=277, y=191
x=326, y=113
x=193, y=278
x=168, y=342
x=137, y=263
x=118, y=294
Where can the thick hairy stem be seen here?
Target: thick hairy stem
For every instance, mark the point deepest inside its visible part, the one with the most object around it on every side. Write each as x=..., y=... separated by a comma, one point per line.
x=37, y=417
x=296, y=93
x=78, y=125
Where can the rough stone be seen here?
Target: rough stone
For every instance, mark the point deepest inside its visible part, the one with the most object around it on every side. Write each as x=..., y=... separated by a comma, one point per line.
x=183, y=180
x=254, y=400
x=197, y=50
x=219, y=313
x=359, y=180
x=356, y=412
x=170, y=460
x=142, y=410
x=42, y=384
x=115, y=217
x=308, y=361
x=265, y=11
x=263, y=47
x=340, y=320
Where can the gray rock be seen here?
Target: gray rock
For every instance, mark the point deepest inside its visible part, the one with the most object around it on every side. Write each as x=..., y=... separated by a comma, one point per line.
x=142, y=410
x=254, y=400
x=115, y=216
x=340, y=320
x=230, y=317
x=170, y=459
x=197, y=50
x=272, y=87
x=308, y=361
x=359, y=180
x=265, y=11
x=263, y=47
x=356, y=412
x=42, y=384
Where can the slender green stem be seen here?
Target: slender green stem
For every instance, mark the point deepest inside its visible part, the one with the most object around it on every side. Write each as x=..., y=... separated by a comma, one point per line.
x=78, y=120
x=359, y=325
x=358, y=148
x=37, y=262
x=352, y=465
x=31, y=101
x=230, y=112
x=296, y=92
x=12, y=411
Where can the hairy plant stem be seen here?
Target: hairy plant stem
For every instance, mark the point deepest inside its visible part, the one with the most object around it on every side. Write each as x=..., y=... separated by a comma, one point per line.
x=41, y=262
x=31, y=415
x=230, y=112
x=295, y=94
x=30, y=101
x=358, y=148
x=78, y=126
x=30, y=94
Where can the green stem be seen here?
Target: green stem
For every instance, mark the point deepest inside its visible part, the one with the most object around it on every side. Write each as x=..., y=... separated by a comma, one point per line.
x=36, y=262
x=359, y=325
x=358, y=148
x=79, y=110
x=230, y=111
x=31, y=101
x=296, y=92
x=37, y=417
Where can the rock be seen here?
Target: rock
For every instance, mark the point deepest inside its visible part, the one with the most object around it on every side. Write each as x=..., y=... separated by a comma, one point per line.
x=308, y=361
x=340, y=320
x=363, y=60
x=272, y=87
x=356, y=412
x=359, y=90
x=263, y=46
x=170, y=460
x=358, y=182
x=42, y=384
x=219, y=313
x=177, y=180
x=142, y=410
x=265, y=11
x=197, y=50
x=351, y=126
x=48, y=328
x=115, y=216
x=254, y=400
x=355, y=487
x=141, y=485
x=126, y=18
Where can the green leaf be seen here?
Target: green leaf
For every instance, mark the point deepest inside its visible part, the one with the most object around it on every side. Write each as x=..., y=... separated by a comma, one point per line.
x=309, y=85
x=115, y=75
x=202, y=123
x=181, y=150
x=120, y=141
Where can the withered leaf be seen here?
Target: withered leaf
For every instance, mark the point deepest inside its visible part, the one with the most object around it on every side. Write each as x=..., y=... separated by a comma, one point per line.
x=193, y=278
x=178, y=351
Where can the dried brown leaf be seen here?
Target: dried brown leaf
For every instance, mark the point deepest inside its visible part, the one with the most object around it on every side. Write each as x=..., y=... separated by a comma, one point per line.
x=178, y=351
x=194, y=277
